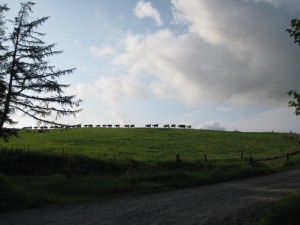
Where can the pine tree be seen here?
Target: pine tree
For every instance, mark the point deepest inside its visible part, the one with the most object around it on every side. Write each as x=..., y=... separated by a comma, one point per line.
x=30, y=84
x=3, y=48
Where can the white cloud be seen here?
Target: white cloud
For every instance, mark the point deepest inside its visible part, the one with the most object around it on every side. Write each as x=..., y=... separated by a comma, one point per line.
x=120, y=117
x=232, y=55
x=82, y=90
x=101, y=52
x=145, y=9
x=161, y=56
x=235, y=51
x=213, y=125
x=116, y=89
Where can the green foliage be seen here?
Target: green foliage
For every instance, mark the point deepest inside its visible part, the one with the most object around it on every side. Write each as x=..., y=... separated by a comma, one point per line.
x=294, y=32
x=296, y=102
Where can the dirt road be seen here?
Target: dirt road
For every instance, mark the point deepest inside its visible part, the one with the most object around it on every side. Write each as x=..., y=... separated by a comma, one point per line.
x=225, y=203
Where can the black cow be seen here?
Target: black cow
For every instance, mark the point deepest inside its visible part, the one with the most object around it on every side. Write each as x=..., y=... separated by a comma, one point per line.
x=27, y=128
x=181, y=126
x=155, y=125
x=166, y=126
x=148, y=125
x=173, y=125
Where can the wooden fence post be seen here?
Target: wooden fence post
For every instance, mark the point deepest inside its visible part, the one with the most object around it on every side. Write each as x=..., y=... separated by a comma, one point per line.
x=287, y=157
x=177, y=158
x=68, y=169
x=242, y=155
x=251, y=157
x=205, y=158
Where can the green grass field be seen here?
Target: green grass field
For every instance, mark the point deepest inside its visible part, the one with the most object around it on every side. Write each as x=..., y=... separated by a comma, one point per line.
x=155, y=144
x=89, y=164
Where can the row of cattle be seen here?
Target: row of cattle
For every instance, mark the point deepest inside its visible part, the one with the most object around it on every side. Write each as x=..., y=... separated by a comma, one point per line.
x=107, y=126
x=168, y=126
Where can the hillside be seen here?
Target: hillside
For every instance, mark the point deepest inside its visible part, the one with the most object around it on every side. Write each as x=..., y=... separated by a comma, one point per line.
x=155, y=144
x=54, y=167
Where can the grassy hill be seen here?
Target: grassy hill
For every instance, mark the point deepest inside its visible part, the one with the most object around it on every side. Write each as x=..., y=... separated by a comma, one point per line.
x=155, y=144
x=89, y=164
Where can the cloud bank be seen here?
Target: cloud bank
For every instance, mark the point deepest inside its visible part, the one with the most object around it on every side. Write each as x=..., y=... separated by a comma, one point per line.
x=235, y=51
x=212, y=126
x=231, y=53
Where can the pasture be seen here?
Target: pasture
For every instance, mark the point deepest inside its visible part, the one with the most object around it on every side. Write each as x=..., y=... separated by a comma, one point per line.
x=90, y=164
x=160, y=144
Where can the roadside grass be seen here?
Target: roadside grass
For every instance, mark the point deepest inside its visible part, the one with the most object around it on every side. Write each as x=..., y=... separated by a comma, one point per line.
x=35, y=177
x=285, y=211
x=10, y=196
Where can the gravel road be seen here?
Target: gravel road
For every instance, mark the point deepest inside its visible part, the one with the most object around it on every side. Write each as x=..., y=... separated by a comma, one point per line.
x=225, y=203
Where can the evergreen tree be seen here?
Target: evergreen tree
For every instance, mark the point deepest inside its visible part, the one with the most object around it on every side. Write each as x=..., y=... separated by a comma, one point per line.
x=3, y=48
x=29, y=84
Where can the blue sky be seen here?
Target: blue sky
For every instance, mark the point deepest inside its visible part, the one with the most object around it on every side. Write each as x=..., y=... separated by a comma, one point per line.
x=214, y=64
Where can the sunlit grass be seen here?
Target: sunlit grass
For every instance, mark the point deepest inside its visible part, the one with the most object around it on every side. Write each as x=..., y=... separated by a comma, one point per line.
x=155, y=144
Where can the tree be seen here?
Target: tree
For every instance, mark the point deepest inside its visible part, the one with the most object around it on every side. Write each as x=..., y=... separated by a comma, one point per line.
x=29, y=84
x=3, y=9
x=294, y=32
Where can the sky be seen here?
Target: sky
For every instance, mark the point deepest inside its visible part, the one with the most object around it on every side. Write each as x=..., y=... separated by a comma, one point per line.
x=221, y=65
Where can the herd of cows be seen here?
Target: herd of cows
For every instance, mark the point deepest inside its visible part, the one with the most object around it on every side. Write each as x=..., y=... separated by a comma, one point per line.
x=105, y=126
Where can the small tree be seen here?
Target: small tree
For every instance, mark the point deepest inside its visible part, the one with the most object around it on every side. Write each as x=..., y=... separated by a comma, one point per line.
x=28, y=83
x=294, y=32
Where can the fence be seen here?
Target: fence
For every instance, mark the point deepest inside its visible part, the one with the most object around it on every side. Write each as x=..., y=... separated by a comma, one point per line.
x=160, y=157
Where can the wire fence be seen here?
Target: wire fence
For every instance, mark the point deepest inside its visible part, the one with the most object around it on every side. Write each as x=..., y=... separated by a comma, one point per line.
x=152, y=156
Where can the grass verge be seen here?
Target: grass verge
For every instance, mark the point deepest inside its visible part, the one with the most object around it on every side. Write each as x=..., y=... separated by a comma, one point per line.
x=285, y=211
